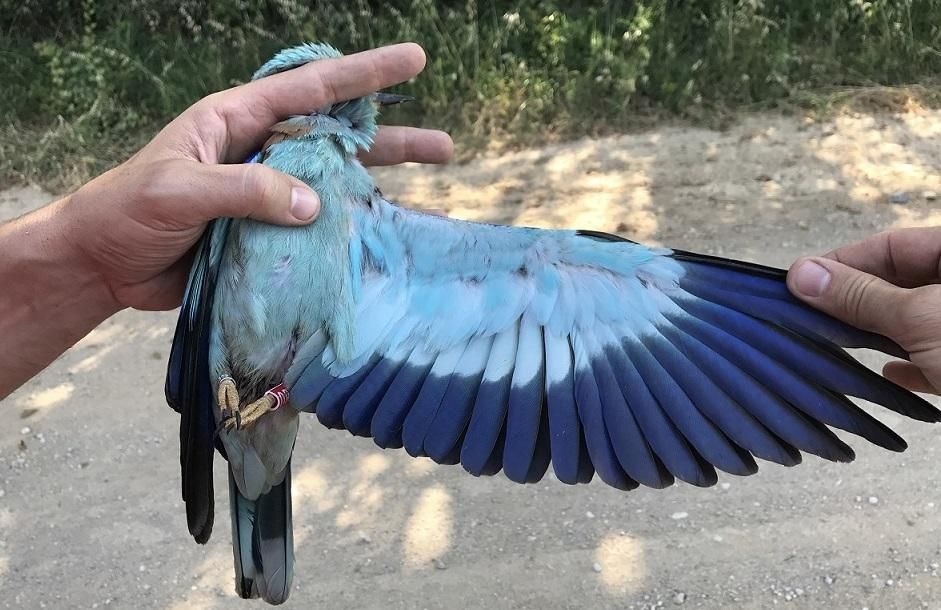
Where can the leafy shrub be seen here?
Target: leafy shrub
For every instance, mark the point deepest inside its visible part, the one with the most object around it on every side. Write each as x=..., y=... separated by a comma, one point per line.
x=102, y=73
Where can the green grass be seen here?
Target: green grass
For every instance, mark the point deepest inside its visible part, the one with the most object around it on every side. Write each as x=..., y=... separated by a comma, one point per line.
x=87, y=81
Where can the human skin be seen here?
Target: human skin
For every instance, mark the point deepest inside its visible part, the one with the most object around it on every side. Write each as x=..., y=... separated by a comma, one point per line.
x=125, y=239
x=890, y=284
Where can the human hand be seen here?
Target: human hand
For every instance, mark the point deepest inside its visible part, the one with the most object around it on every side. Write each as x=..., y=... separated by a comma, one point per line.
x=889, y=284
x=136, y=223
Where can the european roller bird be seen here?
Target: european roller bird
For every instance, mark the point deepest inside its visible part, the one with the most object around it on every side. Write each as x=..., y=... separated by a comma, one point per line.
x=499, y=348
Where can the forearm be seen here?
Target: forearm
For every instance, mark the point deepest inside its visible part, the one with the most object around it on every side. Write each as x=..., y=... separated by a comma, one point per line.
x=50, y=296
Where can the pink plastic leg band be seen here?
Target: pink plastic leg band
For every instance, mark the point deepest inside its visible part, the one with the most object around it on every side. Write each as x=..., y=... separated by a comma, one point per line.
x=280, y=394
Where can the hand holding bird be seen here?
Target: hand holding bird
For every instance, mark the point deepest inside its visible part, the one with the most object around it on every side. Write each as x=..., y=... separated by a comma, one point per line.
x=158, y=202
x=125, y=238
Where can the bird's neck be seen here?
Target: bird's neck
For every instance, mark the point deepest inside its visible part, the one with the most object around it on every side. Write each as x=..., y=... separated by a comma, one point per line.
x=324, y=165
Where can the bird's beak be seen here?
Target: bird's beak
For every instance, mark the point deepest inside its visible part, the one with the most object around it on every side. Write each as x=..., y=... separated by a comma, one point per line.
x=390, y=99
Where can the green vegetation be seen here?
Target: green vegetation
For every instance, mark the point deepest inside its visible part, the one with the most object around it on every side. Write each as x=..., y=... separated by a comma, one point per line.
x=86, y=81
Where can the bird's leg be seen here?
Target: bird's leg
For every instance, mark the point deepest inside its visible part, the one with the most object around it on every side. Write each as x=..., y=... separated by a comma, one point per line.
x=272, y=400
x=227, y=397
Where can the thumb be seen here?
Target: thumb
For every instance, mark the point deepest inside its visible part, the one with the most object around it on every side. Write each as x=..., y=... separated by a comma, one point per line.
x=857, y=298
x=245, y=191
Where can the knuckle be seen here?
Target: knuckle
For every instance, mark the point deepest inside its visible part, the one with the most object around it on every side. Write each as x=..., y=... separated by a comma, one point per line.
x=257, y=188
x=222, y=108
x=206, y=118
x=918, y=316
x=890, y=239
x=854, y=296
x=212, y=107
x=207, y=127
x=920, y=307
x=157, y=187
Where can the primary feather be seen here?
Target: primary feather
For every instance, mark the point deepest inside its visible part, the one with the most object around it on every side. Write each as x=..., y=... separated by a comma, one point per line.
x=499, y=348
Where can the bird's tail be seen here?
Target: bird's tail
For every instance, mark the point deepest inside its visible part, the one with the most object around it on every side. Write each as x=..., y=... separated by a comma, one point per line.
x=263, y=542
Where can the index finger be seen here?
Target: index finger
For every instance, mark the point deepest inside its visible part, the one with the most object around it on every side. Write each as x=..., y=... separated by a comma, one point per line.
x=905, y=257
x=394, y=145
x=251, y=109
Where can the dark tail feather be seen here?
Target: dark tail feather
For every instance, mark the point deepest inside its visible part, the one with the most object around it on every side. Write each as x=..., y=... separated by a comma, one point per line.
x=263, y=542
x=189, y=390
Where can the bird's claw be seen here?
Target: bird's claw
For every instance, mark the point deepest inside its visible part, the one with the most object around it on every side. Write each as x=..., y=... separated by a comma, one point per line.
x=231, y=418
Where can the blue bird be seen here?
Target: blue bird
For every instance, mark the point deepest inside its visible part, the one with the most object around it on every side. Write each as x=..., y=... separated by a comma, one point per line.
x=499, y=348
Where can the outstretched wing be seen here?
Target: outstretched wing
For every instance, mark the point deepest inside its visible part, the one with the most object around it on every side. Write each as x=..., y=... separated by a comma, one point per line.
x=189, y=382
x=510, y=348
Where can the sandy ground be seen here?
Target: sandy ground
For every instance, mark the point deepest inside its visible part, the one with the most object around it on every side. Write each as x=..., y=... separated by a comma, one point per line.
x=90, y=514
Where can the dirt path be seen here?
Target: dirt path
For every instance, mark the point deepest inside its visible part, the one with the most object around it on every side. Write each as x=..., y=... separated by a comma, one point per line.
x=90, y=514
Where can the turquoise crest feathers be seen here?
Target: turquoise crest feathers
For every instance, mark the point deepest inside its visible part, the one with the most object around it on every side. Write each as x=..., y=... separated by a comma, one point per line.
x=294, y=57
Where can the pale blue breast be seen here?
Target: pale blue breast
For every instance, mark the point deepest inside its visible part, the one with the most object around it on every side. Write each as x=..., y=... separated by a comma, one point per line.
x=282, y=284
x=263, y=286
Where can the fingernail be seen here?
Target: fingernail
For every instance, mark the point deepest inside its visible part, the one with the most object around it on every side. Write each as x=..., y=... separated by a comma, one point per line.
x=811, y=279
x=304, y=203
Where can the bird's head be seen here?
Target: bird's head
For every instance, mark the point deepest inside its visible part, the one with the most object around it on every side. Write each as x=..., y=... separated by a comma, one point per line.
x=351, y=123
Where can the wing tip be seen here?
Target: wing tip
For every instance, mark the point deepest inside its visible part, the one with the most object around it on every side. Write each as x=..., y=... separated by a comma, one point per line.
x=201, y=531
x=916, y=407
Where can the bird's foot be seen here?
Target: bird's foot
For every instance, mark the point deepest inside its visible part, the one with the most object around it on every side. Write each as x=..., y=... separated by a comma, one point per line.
x=227, y=397
x=245, y=418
